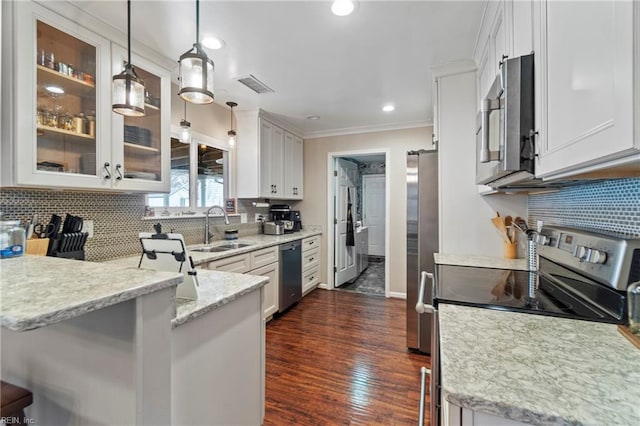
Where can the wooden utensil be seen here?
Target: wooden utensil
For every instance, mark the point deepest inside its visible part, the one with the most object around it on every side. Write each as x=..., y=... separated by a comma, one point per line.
x=498, y=222
x=507, y=224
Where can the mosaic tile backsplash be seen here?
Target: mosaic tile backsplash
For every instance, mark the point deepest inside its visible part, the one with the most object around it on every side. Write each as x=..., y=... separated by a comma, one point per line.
x=117, y=218
x=611, y=206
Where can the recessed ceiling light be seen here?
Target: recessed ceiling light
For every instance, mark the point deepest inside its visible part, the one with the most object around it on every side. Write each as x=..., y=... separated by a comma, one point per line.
x=313, y=117
x=213, y=43
x=55, y=89
x=342, y=7
x=388, y=108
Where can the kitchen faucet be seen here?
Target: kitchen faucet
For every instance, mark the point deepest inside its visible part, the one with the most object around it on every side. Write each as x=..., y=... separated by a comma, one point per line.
x=207, y=234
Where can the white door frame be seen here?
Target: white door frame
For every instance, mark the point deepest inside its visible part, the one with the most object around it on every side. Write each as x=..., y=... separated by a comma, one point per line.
x=331, y=156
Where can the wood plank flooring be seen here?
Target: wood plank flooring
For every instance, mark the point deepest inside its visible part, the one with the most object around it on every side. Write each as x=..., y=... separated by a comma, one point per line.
x=339, y=358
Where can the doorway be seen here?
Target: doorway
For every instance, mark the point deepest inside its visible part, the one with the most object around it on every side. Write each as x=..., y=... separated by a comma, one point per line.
x=358, y=228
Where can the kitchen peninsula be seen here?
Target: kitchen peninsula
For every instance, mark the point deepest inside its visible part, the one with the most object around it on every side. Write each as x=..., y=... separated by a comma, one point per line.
x=105, y=344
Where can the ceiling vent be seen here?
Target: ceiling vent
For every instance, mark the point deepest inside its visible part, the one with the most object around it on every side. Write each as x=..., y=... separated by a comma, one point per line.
x=254, y=84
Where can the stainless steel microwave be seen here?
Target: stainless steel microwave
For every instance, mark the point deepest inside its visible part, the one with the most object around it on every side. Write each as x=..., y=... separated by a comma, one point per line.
x=505, y=150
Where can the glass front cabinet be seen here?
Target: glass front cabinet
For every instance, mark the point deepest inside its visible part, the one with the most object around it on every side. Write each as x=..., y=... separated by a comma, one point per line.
x=64, y=132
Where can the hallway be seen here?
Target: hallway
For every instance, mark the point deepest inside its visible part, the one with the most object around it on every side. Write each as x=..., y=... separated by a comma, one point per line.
x=339, y=358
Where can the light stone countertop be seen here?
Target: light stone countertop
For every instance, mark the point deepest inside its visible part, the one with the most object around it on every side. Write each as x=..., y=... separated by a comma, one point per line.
x=38, y=290
x=538, y=369
x=480, y=261
x=215, y=289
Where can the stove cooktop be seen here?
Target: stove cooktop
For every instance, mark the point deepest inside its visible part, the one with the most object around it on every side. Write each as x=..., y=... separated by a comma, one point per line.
x=553, y=291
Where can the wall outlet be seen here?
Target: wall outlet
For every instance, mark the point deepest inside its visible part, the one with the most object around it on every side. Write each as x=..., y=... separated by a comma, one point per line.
x=87, y=226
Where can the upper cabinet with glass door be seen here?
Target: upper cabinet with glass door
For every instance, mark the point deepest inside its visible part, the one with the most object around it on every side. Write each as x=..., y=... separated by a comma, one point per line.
x=60, y=98
x=62, y=129
x=142, y=152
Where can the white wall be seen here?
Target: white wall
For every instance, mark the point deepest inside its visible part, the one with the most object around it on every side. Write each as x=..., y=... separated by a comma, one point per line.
x=465, y=225
x=314, y=206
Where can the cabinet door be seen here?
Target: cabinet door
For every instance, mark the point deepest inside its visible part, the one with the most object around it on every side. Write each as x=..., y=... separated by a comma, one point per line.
x=584, y=83
x=298, y=163
x=277, y=162
x=266, y=155
x=293, y=168
x=141, y=145
x=520, y=29
x=270, y=290
x=61, y=128
x=289, y=166
x=240, y=264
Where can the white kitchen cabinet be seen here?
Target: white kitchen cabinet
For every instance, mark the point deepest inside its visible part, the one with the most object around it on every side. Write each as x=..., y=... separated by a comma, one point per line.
x=240, y=264
x=452, y=415
x=293, y=167
x=141, y=145
x=586, y=80
x=270, y=290
x=58, y=123
x=311, y=249
x=269, y=163
x=506, y=31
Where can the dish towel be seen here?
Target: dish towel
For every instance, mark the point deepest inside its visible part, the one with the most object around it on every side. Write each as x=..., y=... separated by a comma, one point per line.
x=351, y=241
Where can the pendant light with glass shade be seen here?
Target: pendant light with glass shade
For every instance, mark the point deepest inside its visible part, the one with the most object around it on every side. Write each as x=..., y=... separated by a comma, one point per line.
x=196, y=71
x=185, y=128
x=232, y=133
x=128, y=88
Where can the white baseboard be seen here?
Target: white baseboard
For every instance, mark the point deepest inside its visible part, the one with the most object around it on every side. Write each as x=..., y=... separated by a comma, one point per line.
x=396, y=295
x=323, y=286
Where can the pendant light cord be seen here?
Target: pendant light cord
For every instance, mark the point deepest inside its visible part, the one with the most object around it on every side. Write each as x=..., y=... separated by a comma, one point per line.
x=129, y=30
x=197, y=21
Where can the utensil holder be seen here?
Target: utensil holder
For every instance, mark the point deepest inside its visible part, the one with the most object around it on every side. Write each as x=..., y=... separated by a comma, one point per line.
x=510, y=250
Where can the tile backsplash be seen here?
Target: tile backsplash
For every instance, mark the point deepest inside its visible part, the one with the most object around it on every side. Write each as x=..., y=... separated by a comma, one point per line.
x=611, y=206
x=117, y=218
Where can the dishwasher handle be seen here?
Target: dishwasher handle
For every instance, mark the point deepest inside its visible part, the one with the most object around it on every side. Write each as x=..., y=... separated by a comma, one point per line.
x=422, y=307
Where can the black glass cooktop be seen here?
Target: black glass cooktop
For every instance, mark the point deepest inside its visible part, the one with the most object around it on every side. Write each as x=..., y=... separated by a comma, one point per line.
x=553, y=291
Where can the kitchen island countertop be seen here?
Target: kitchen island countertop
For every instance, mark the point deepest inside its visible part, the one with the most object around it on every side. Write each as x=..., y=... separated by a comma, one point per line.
x=38, y=290
x=538, y=369
x=215, y=289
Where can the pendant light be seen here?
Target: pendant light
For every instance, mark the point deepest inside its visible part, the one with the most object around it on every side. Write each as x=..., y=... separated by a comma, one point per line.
x=196, y=71
x=185, y=128
x=232, y=133
x=128, y=88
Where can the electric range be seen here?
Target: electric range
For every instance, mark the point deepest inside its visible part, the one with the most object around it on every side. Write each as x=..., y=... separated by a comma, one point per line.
x=581, y=276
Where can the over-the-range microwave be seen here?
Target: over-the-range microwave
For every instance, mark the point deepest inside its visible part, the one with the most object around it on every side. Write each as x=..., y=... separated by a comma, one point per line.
x=505, y=134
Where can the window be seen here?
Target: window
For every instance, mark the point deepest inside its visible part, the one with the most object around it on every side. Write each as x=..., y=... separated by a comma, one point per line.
x=208, y=169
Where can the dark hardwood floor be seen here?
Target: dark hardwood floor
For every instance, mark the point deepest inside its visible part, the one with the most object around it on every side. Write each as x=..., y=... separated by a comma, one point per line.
x=339, y=358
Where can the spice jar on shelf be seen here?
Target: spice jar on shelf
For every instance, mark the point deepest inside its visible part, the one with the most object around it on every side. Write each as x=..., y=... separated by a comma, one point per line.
x=79, y=123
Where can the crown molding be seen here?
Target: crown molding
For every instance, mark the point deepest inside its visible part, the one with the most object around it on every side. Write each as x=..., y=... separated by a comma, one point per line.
x=366, y=129
x=453, y=68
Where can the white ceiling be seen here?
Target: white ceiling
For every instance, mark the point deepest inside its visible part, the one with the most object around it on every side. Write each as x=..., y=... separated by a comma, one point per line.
x=341, y=68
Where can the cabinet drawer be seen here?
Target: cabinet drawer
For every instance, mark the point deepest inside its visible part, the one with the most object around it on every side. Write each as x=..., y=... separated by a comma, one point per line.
x=310, y=258
x=264, y=257
x=310, y=243
x=240, y=264
x=310, y=278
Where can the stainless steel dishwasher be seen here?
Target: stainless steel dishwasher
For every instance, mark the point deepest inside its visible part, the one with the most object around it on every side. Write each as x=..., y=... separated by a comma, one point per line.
x=290, y=290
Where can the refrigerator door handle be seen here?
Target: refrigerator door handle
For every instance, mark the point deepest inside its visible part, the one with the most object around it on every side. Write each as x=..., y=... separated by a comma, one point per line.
x=421, y=307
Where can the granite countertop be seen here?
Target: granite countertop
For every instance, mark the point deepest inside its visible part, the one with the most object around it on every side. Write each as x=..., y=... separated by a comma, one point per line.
x=538, y=369
x=215, y=289
x=38, y=290
x=480, y=261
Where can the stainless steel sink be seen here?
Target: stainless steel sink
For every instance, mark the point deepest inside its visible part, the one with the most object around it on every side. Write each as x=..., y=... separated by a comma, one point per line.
x=221, y=247
x=230, y=246
x=211, y=249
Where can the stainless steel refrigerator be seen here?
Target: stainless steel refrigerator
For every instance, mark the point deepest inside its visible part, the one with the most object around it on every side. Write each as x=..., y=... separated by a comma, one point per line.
x=422, y=241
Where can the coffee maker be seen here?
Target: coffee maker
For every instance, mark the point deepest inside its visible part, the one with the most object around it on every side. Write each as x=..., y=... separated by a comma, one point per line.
x=289, y=218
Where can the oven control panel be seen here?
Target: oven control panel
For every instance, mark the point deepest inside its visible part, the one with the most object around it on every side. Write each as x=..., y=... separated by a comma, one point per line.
x=607, y=259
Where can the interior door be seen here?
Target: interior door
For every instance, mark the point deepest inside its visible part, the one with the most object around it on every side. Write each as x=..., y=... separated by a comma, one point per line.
x=373, y=206
x=345, y=187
